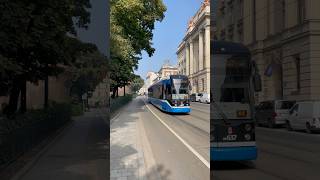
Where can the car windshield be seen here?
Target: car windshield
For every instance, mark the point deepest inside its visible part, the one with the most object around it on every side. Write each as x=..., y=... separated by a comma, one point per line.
x=285, y=104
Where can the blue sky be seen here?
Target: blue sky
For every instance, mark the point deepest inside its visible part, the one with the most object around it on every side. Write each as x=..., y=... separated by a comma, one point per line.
x=168, y=34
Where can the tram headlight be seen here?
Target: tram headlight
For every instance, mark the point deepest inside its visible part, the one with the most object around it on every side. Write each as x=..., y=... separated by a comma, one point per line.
x=248, y=127
x=247, y=137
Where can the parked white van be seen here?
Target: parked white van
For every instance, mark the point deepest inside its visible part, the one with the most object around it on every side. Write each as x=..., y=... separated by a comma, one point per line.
x=204, y=98
x=304, y=116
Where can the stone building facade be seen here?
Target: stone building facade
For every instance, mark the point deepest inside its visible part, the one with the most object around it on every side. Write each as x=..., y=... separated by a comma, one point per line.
x=150, y=79
x=284, y=39
x=167, y=70
x=194, y=51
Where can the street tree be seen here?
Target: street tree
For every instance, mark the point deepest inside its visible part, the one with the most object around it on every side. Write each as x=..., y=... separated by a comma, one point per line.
x=137, y=83
x=35, y=38
x=132, y=25
x=88, y=71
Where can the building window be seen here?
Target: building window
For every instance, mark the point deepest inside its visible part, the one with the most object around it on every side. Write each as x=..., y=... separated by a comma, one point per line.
x=241, y=8
x=268, y=17
x=298, y=71
x=301, y=5
x=254, y=22
x=230, y=32
x=240, y=30
x=223, y=34
x=283, y=6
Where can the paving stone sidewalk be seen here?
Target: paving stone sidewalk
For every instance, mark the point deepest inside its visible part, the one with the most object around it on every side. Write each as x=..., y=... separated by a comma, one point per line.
x=126, y=153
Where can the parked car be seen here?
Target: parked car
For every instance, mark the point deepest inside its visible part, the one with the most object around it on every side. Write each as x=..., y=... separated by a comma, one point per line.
x=304, y=116
x=273, y=113
x=195, y=97
x=204, y=98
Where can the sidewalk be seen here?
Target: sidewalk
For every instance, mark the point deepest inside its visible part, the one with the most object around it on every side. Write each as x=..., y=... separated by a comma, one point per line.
x=79, y=152
x=130, y=156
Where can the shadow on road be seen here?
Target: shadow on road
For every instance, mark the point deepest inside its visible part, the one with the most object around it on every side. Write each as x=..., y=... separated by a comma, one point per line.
x=125, y=158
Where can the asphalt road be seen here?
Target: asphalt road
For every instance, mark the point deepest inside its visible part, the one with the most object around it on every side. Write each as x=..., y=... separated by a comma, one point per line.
x=282, y=155
x=182, y=151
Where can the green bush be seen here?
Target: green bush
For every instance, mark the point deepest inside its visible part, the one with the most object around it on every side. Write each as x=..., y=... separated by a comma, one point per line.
x=77, y=109
x=120, y=101
x=22, y=132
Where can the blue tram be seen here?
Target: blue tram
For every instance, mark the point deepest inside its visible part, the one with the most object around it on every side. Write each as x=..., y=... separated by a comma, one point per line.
x=234, y=79
x=171, y=95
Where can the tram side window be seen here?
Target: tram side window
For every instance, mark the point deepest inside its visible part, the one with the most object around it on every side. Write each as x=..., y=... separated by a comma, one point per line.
x=168, y=91
x=161, y=92
x=157, y=91
x=150, y=92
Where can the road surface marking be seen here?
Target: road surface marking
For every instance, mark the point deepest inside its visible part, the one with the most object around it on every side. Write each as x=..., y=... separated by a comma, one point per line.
x=202, y=159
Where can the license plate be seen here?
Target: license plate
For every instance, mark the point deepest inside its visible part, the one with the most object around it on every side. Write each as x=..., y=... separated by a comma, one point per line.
x=242, y=113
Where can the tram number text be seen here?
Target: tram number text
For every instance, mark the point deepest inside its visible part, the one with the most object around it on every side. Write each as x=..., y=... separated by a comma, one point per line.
x=231, y=137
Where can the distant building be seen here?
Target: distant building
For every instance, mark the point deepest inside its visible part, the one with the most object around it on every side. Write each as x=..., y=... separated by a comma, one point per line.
x=151, y=78
x=143, y=90
x=283, y=37
x=194, y=51
x=167, y=70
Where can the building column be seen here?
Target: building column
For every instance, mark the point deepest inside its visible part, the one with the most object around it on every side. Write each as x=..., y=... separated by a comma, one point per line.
x=191, y=58
x=200, y=50
x=207, y=47
x=187, y=60
x=207, y=56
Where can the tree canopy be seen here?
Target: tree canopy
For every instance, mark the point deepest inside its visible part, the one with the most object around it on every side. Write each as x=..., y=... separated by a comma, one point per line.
x=137, y=83
x=132, y=25
x=36, y=36
x=87, y=72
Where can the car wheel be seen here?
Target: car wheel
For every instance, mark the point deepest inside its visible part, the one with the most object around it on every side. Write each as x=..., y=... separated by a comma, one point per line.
x=308, y=128
x=288, y=126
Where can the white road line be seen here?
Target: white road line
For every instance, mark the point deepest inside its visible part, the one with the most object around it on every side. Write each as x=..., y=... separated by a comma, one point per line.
x=202, y=159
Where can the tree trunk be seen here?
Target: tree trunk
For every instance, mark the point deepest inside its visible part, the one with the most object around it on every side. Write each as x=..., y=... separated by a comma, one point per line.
x=114, y=91
x=13, y=100
x=117, y=91
x=18, y=87
x=124, y=90
x=46, y=92
x=23, y=107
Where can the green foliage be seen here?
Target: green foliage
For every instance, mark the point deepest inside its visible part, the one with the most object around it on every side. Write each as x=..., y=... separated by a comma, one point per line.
x=58, y=112
x=76, y=109
x=36, y=38
x=87, y=72
x=24, y=131
x=132, y=25
x=135, y=20
x=119, y=102
x=137, y=83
